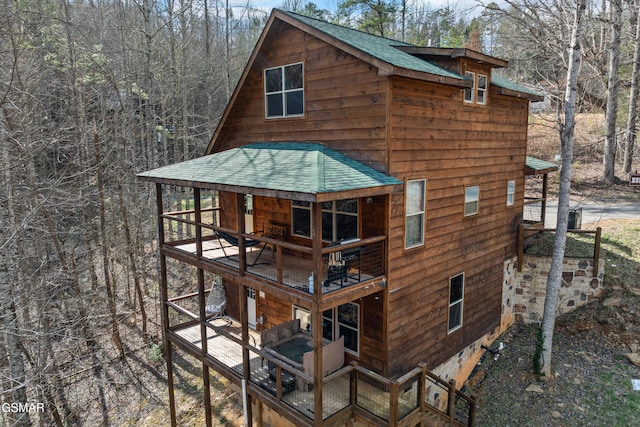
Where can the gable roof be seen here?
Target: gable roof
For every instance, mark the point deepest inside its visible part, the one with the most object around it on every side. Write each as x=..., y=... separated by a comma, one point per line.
x=390, y=57
x=287, y=170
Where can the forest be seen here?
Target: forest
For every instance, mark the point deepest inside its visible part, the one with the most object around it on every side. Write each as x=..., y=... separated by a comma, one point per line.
x=93, y=92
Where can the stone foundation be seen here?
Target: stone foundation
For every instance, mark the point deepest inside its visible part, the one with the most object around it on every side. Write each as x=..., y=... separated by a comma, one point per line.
x=577, y=289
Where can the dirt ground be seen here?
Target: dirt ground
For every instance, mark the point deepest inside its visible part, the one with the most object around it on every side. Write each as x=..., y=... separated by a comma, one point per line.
x=592, y=384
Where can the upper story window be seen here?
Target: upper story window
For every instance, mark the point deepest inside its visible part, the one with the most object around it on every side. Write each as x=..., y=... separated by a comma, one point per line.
x=284, y=91
x=511, y=192
x=339, y=219
x=482, y=89
x=471, y=199
x=414, y=213
x=469, y=91
x=477, y=93
x=456, y=299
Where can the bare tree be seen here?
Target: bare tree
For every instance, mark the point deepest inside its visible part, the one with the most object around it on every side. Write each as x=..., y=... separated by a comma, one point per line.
x=611, y=114
x=633, y=93
x=545, y=344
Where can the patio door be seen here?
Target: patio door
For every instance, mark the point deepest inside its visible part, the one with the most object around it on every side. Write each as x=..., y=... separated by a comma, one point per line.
x=251, y=307
x=248, y=213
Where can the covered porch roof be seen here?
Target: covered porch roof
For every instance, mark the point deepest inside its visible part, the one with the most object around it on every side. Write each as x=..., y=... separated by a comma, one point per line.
x=538, y=167
x=288, y=170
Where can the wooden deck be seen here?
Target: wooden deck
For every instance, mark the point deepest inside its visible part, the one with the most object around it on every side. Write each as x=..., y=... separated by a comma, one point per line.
x=229, y=352
x=261, y=262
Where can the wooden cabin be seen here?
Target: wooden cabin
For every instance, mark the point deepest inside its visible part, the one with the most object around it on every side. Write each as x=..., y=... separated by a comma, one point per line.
x=360, y=191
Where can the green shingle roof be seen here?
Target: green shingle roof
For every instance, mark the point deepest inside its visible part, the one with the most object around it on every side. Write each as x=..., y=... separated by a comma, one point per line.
x=379, y=47
x=507, y=84
x=283, y=167
x=536, y=166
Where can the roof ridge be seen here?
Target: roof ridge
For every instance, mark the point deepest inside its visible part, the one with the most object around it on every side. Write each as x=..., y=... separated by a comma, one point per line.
x=401, y=43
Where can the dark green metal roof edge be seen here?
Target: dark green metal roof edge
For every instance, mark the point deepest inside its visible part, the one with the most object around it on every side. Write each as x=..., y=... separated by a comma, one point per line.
x=540, y=166
x=379, y=47
x=509, y=85
x=296, y=167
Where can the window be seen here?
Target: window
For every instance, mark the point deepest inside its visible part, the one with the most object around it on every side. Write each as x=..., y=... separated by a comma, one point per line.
x=468, y=92
x=471, y=197
x=339, y=219
x=456, y=298
x=343, y=320
x=414, y=213
x=284, y=91
x=511, y=192
x=300, y=218
x=305, y=317
x=482, y=89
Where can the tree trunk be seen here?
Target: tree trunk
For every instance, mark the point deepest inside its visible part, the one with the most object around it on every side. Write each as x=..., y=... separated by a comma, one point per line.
x=612, y=93
x=543, y=356
x=633, y=96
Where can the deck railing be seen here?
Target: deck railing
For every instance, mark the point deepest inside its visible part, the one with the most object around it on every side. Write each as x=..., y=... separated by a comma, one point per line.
x=284, y=263
x=540, y=242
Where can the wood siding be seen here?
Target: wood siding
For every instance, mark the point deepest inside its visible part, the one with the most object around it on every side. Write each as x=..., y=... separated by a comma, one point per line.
x=345, y=101
x=434, y=136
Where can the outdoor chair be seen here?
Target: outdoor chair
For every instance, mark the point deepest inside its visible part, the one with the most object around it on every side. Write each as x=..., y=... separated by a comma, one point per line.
x=234, y=242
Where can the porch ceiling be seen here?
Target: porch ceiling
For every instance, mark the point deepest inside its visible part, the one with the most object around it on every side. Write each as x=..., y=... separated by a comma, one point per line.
x=289, y=170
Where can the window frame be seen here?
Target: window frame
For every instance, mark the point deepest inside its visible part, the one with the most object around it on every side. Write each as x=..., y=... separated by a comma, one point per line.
x=457, y=303
x=511, y=192
x=335, y=326
x=469, y=92
x=468, y=201
x=299, y=205
x=481, y=91
x=283, y=91
x=420, y=213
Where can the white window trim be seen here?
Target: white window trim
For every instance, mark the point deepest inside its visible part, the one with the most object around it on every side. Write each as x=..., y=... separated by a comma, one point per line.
x=482, y=90
x=470, y=90
x=451, y=304
x=283, y=92
x=511, y=192
x=333, y=212
x=421, y=212
x=468, y=201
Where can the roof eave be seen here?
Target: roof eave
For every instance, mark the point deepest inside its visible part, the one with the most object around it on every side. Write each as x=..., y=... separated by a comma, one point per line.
x=280, y=194
x=517, y=94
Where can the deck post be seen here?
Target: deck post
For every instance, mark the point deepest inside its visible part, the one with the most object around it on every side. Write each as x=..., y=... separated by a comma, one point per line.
x=596, y=252
x=164, y=309
x=543, y=205
x=316, y=317
x=520, y=246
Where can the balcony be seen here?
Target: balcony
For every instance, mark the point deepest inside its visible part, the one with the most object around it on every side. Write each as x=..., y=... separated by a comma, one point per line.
x=270, y=260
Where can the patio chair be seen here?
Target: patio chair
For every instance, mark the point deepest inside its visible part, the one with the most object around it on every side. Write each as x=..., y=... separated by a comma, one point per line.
x=233, y=241
x=216, y=302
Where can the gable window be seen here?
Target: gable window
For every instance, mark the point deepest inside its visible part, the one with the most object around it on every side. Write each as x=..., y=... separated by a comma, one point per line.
x=284, y=91
x=482, y=89
x=511, y=192
x=469, y=91
x=456, y=298
x=343, y=320
x=414, y=213
x=471, y=198
x=339, y=219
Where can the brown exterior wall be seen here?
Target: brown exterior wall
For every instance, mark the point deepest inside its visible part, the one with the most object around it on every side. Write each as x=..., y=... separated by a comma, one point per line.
x=434, y=136
x=344, y=101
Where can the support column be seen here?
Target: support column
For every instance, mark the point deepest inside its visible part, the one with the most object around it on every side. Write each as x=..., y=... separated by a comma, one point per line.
x=316, y=314
x=242, y=295
x=164, y=309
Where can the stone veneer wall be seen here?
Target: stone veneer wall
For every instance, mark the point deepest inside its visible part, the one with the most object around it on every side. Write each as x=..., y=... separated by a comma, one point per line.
x=529, y=287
